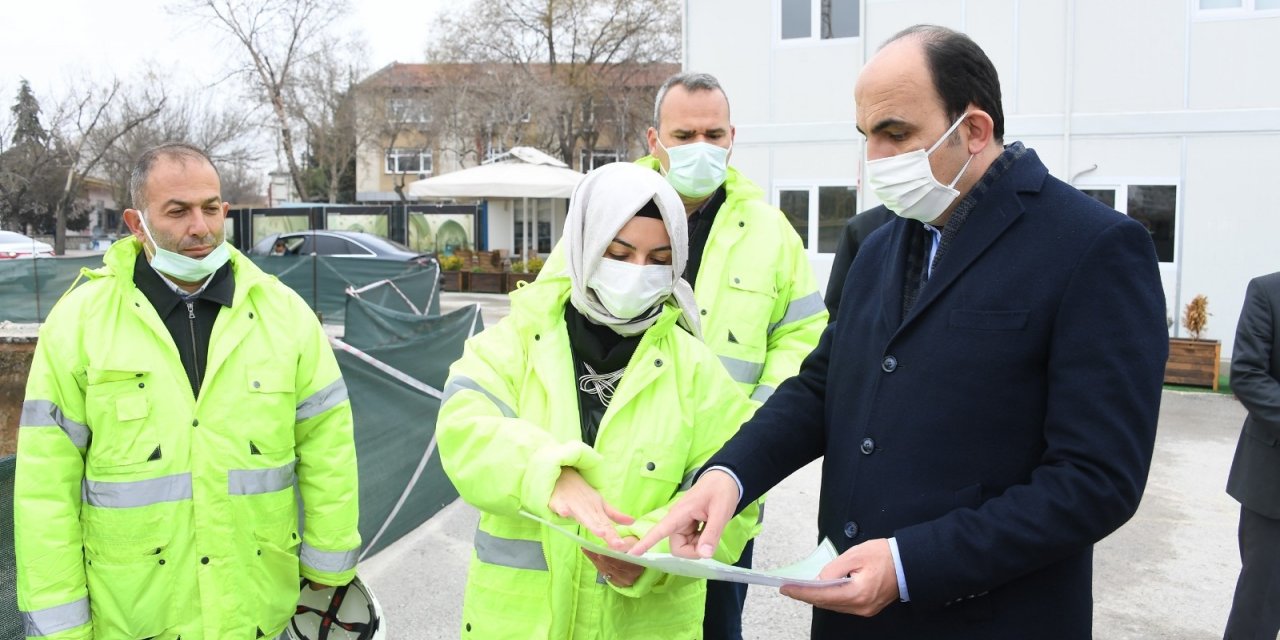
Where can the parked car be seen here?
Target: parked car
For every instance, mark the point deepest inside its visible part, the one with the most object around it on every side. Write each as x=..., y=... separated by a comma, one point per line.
x=345, y=244
x=15, y=245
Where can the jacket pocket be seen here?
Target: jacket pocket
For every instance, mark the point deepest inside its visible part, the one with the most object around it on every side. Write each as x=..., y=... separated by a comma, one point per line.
x=746, y=308
x=268, y=409
x=118, y=410
x=131, y=581
x=989, y=319
x=1261, y=433
x=275, y=576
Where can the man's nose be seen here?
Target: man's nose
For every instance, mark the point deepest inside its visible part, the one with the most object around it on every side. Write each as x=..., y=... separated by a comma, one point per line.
x=199, y=226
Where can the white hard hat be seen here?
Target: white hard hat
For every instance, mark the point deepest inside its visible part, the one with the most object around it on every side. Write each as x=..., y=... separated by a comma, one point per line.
x=349, y=612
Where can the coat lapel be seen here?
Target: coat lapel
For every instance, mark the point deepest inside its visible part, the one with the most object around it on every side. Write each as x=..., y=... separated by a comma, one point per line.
x=998, y=209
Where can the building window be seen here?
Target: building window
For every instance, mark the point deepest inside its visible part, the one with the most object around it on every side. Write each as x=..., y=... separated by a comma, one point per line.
x=829, y=19
x=589, y=160
x=408, y=160
x=416, y=110
x=539, y=224
x=1154, y=205
x=819, y=213
x=1237, y=8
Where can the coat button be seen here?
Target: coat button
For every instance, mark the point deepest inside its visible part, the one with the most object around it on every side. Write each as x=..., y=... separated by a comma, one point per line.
x=650, y=466
x=889, y=364
x=205, y=560
x=658, y=362
x=256, y=384
x=195, y=423
x=868, y=445
x=850, y=529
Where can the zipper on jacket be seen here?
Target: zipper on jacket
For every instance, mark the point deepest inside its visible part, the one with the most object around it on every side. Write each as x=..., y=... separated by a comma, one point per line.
x=195, y=353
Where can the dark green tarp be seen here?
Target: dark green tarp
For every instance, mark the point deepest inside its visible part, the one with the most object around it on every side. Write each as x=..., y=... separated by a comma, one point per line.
x=401, y=482
x=29, y=288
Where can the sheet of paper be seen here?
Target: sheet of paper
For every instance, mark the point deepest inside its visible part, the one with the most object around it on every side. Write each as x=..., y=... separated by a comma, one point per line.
x=804, y=572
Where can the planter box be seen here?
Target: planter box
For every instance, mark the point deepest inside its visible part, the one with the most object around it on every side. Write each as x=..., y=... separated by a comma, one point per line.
x=453, y=280
x=515, y=278
x=488, y=282
x=1193, y=362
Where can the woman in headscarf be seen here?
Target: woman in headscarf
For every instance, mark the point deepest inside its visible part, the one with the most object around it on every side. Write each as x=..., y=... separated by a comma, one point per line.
x=592, y=404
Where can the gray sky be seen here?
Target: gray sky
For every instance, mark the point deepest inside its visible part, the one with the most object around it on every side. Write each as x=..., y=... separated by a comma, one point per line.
x=51, y=43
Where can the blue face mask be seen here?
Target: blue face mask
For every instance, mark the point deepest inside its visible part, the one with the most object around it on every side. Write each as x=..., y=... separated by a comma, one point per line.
x=696, y=169
x=181, y=267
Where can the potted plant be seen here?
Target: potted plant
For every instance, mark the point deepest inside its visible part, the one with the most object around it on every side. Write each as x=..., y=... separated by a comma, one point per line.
x=523, y=272
x=483, y=281
x=451, y=273
x=1193, y=361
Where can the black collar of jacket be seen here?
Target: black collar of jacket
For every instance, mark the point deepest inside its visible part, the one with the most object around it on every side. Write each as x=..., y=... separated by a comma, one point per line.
x=221, y=287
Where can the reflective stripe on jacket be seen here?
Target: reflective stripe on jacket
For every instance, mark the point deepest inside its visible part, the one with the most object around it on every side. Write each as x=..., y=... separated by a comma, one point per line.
x=143, y=511
x=510, y=422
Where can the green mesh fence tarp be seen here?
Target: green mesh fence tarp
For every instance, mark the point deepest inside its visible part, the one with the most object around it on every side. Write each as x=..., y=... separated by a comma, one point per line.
x=29, y=288
x=401, y=482
x=10, y=619
x=323, y=280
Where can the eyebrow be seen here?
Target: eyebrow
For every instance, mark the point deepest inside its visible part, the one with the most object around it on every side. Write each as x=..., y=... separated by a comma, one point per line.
x=628, y=245
x=715, y=131
x=187, y=205
x=886, y=123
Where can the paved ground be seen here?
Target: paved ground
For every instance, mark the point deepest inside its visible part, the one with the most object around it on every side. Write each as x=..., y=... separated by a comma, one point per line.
x=1167, y=574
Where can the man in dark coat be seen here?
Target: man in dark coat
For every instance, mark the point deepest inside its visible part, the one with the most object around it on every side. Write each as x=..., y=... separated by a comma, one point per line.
x=856, y=232
x=1255, y=472
x=986, y=404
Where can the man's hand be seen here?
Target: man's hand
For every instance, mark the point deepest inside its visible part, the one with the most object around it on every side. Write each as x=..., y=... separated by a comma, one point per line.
x=574, y=498
x=874, y=585
x=616, y=572
x=696, y=521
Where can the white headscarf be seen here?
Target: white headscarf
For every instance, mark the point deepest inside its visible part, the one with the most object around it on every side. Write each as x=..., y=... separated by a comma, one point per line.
x=605, y=200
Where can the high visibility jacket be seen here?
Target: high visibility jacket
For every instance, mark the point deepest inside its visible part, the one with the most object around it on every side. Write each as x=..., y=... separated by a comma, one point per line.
x=762, y=312
x=142, y=511
x=510, y=422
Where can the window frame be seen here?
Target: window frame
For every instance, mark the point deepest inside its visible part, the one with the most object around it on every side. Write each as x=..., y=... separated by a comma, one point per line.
x=418, y=107
x=813, y=187
x=1246, y=11
x=584, y=154
x=1121, y=187
x=815, y=39
x=426, y=163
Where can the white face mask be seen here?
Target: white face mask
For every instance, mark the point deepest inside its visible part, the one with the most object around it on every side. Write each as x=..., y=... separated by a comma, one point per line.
x=629, y=290
x=182, y=267
x=905, y=182
x=696, y=169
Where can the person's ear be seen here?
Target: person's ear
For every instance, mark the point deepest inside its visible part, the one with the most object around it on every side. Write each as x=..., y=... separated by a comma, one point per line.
x=133, y=220
x=980, y=129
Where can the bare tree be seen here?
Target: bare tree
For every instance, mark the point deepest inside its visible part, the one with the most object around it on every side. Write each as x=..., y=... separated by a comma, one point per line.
x=224, y=132
x=92, y=122
x=579, y=55
x=276, y=38
x=323, y=99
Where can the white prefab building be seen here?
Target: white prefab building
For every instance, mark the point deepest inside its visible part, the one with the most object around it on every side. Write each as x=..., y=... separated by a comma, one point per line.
x=1169, y=110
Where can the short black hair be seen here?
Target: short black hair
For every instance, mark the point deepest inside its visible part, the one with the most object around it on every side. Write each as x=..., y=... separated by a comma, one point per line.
x=180, y=151
x=962, y=72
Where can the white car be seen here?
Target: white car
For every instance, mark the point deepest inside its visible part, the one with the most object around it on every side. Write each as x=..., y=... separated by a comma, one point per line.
x=16, y=245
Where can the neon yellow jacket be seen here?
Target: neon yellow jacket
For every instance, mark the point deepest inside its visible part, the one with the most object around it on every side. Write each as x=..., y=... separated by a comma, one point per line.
x=510, y=422
x=143, y=511
x=762, y=312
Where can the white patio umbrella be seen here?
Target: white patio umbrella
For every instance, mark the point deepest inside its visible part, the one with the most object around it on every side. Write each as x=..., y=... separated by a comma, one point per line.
x=522, y=172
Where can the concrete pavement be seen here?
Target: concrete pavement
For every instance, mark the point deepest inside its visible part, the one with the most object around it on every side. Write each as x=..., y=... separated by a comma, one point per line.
x=1169, y=573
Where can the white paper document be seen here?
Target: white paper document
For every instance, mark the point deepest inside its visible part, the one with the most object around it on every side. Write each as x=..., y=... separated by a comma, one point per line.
x=804, y=572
